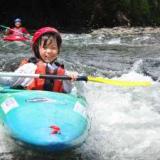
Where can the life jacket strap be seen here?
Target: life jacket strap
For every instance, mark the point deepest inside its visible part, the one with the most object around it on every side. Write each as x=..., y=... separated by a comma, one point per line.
x=49, y=83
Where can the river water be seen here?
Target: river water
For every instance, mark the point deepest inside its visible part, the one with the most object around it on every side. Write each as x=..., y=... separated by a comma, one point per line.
x=125, y=122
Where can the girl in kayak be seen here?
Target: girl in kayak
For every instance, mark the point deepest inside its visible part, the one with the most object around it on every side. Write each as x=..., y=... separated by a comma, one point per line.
x=46, y=44
x=18, y=30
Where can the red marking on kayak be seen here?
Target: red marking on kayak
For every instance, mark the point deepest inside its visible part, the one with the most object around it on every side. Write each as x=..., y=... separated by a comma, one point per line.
x=55, y=129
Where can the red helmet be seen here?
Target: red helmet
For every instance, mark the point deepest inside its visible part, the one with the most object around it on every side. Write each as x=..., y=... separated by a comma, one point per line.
x=39, y=33
x=42, y=31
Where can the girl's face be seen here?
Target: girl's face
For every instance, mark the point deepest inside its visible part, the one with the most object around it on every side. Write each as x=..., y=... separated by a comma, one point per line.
x=18, y=24
x=48, y=50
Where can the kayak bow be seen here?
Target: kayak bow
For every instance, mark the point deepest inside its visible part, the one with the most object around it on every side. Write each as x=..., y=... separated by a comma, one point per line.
x=44, y=120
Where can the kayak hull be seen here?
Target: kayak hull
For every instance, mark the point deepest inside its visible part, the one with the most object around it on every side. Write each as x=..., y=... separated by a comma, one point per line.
x=44, y=120
x=12, y=38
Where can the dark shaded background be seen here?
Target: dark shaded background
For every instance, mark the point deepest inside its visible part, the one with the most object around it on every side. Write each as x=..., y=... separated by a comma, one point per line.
x=81, y=15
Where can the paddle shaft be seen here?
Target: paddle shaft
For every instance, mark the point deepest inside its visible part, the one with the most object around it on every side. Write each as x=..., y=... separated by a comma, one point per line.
x=79, y=78
x=43, y=76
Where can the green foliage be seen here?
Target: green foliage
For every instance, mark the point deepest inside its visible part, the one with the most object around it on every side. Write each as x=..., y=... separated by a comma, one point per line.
x=75, y=14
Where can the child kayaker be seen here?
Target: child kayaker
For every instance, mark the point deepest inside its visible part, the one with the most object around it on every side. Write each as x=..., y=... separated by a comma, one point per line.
x=46, y=44
x=18, y=30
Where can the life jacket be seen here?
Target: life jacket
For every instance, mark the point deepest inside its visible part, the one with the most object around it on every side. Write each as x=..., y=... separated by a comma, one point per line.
x=46, y=84
x=17, y=31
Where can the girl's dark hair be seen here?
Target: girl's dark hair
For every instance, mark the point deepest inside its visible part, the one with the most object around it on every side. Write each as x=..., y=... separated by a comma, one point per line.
x=48, y=39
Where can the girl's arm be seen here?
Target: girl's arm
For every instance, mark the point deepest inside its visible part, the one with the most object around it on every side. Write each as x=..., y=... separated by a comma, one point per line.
x=24, y=30
x=28, y=68
x=8, y=31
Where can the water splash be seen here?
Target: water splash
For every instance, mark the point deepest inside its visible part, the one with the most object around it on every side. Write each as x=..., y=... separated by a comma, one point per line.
x=115, y=41
x=125, y=124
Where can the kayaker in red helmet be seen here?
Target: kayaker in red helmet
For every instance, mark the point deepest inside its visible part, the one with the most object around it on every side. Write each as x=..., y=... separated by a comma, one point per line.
x=46, y=44
x=18, y=30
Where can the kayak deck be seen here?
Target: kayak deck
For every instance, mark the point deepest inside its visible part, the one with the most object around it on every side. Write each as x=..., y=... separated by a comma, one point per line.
x=44, y=120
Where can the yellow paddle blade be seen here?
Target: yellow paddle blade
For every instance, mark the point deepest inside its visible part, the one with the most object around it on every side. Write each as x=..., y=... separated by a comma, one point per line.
x=122, y=83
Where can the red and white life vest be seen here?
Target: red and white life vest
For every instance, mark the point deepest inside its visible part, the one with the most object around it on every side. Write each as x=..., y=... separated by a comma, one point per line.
x=46, y=84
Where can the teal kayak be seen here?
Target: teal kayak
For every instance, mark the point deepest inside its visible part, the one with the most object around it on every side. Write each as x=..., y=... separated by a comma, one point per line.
x=44, y=120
